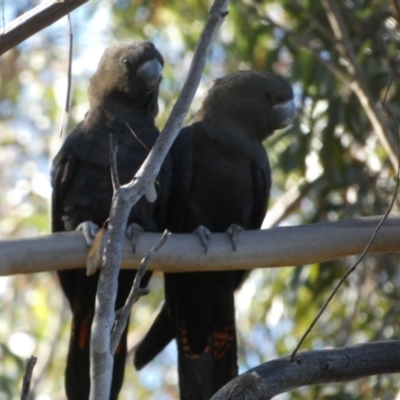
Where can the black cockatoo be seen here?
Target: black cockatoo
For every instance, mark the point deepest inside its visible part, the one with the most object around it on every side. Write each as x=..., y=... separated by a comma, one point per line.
x=123, y=102
x=221, y=181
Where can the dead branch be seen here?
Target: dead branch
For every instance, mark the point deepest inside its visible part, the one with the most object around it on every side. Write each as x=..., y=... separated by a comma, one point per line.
x=313, y=367
x=34, y=21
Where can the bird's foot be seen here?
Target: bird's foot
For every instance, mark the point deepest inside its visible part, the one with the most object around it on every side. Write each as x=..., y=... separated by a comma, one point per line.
x=89, y=230
x=204, y=235
x=133, y=232
x=233, y=233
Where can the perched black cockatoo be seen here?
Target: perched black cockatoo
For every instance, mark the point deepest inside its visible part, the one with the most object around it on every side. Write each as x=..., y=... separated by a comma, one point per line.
x=123, y=102
x=221, y=181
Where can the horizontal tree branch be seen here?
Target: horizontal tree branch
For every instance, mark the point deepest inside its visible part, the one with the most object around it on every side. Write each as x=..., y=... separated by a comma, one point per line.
x=34, y=21
x=282, y=246
x=313, y=367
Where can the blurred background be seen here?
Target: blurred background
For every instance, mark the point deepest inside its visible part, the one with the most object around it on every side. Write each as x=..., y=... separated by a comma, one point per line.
x=334, y=162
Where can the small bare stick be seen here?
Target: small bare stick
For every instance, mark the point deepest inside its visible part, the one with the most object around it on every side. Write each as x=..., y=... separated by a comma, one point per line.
x=65, y=116
x=137, y=137
x=26, y=383
x=101, y=361
x=122, y=315
x=113, y=164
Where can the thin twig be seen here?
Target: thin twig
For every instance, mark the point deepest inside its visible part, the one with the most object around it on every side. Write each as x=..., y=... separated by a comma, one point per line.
x=383, y=219
x=26, y=383
x=348, y=273
x=136, y=292
x=65, y=116
x=113, y=164
x=137, y=137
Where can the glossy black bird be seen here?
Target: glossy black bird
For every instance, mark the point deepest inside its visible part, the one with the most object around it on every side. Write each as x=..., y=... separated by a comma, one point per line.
x=221, y=180
x=123, y=102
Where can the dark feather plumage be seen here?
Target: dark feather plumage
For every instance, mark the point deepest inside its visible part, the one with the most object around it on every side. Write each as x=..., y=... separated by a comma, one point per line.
x=123, y=97
x=221, y=176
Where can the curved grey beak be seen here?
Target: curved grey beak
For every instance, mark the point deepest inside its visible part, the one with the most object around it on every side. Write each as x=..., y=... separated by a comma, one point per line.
x=284, y=113
x=150, y=71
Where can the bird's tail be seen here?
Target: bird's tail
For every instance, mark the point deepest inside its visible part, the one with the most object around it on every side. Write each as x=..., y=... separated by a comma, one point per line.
x=82, y=301
x=156, y=339
x=203, y=374
x=199, y=312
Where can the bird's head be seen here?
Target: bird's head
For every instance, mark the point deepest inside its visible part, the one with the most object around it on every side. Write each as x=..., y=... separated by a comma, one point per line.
x=251, y=102
x=128, y=74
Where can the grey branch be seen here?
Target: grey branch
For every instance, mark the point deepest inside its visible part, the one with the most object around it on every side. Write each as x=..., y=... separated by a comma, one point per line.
x=150, y=168
x=26, y=383
x=124, y=198
x=35, y=20
x=313, y=367
x=135, y=294
x=277, y=247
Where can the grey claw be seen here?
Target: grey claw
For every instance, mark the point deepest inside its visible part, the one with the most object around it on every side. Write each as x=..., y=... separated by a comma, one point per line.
x=133, y=232
x=89, y=230
x=233, y=233
x=204, y=235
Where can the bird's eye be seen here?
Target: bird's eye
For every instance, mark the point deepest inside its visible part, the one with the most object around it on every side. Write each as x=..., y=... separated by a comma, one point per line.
x=126, y=61
x=267, y=94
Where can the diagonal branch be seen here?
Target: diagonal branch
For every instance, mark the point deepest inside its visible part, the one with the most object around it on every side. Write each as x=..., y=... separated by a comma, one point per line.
x=34, y=21
x=124, y=198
